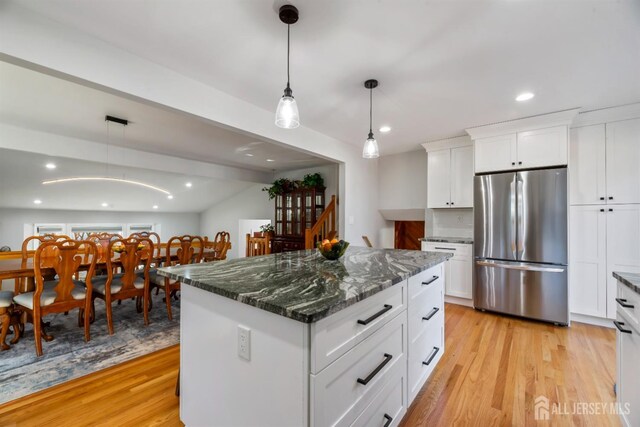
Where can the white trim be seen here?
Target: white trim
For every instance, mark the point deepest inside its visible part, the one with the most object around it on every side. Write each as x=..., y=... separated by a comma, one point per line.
x=607, y=115
x=541, y=121
x=591, y=320
x=443, y=144
x=458, y=301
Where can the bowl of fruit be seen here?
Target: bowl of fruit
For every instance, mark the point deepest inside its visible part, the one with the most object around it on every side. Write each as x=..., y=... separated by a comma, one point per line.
x=332, y=249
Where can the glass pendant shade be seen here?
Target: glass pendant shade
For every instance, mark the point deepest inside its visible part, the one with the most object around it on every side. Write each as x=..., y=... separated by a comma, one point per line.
x=370, y=150
x=287, y=113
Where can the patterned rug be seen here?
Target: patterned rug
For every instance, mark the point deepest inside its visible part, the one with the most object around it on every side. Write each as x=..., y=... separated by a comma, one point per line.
x=68, y=356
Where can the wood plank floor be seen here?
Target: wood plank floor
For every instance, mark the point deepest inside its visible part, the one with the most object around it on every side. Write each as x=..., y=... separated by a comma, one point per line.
x=493, y=369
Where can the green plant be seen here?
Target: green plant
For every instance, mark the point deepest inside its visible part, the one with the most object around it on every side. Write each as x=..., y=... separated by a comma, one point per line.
x=280, y=186
x=267, y=228
x=314, y=180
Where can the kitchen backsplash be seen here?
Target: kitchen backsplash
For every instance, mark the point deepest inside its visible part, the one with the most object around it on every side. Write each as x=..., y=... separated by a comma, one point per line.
x=450, y=222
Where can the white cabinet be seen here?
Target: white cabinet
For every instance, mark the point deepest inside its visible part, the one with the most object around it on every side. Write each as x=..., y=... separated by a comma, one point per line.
x=587, y=166
x=450, y=178
x=628, y=368
x=602, y=240
x=623, y=161
x=458, y=269
x=530, y=149
x=588, y=261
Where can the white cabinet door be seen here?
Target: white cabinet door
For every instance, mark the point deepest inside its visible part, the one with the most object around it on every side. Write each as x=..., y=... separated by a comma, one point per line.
x=460, y=272
x=495, y=153
x=542, y=147
x=588, y=262
x=623, y=160
x=462, y=177
x=623, y=247
x=628, y=374
x=587, y=165
x=438, y=179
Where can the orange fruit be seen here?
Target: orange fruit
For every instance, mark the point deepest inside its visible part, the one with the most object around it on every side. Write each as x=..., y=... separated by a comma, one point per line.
x=326, y=246
x=325, y=241
x=334, y=241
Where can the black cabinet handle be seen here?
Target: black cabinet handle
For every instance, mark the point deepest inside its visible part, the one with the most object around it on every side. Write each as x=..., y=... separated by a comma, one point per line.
x=623, y=302
x=373, y=317
x=430, y=281
x=444, y=249
x=610, y=210
x=513, y=163
x=601, y=198
x=431, y=356
x=451, y=203
x=519, y=163
x=620, y=328
x=601, y=210
x=389, y=420
x=431, y=313
x=610, y=198
x=387, y=358
x=447, y=202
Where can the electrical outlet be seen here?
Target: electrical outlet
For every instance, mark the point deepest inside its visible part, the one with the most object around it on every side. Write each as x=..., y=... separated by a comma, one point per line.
x=244, y=342
x=460, y=219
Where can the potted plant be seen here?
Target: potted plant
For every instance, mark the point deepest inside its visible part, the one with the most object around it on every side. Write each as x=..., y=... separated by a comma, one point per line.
x=313, y=180
x=267, y=229
x=280, y=186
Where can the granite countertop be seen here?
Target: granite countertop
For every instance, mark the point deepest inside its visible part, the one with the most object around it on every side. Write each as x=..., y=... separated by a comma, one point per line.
x=303, y=285
x=460, y=240
x=632, y=280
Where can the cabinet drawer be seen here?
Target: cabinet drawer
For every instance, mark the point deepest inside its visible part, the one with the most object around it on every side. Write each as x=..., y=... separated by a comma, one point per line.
x=426, y=280
x=423, y=308
x=626, y=297
x=424, y=354
x=457, y=249
x=390, y=405
x=342, y=391
x=333, y=336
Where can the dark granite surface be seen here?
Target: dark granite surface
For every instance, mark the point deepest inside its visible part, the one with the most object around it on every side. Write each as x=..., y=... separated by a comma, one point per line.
x=632, y=280
x=303, y=285
x=460, y=240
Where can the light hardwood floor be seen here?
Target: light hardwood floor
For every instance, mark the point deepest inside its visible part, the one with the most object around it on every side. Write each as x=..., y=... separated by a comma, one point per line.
x=493, y=369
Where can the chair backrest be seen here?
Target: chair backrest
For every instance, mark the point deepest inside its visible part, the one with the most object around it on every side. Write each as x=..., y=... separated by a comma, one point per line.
x=102, y=241
x=220, y=245
x=258, y=245
x=154, y=237
x=47, y=254
x=189, y=250
x=65, y=257
x=134, y=254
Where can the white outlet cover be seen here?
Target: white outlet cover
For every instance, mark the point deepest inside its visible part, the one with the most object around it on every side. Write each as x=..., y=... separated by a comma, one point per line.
x=244, y=342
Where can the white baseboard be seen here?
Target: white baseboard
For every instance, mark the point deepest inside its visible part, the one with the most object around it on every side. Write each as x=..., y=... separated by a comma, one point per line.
x=459, y=301
x=592, y=320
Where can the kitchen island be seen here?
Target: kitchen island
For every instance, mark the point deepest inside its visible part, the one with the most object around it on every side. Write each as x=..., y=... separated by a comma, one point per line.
x=292, y=339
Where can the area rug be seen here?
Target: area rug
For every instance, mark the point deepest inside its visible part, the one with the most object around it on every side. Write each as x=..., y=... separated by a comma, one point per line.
x=68, y=356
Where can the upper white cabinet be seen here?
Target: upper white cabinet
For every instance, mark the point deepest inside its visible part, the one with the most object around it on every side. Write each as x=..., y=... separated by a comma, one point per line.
x=529, y=149
x=623, y=161
x=450, y=178
x=604, y=163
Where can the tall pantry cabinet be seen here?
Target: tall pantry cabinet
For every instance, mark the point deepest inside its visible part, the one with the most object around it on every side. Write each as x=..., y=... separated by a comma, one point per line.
x=604, y=163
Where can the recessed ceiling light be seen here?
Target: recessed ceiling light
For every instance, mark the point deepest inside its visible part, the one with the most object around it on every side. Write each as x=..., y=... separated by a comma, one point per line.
x=37, y=201
x=170, y=197
x=385, y=129
x=249, y=155
x=105, y=204
x=50, y=165
x=188, y=185
x=524, y=96
x=155, y=206
x=270, y=160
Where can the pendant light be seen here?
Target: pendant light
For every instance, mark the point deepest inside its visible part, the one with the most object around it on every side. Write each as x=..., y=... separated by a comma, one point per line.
x=370, y=150
x=287, y=113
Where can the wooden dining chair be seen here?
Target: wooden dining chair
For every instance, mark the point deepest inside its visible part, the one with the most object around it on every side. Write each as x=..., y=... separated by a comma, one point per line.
x=188, y=250
x=63, y=293
x=218, y=248
x=257, y=246
x=8, y=317
x=154, y=237
x=134, y=258
x=46, y=256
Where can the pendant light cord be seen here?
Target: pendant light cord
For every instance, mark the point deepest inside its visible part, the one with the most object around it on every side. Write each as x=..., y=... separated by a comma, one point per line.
x=288, y=48
x=370, y=110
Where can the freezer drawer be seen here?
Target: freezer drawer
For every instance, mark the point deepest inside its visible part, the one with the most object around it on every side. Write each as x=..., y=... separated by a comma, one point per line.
x=536, y=291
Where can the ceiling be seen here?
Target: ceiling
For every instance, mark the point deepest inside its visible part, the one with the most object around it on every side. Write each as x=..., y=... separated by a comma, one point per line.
x=22, y=174
x=41, y=102
x=443, y=66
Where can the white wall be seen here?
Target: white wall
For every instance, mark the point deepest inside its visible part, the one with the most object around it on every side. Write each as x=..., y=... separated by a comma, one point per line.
x=12, y=221
x=252, y=203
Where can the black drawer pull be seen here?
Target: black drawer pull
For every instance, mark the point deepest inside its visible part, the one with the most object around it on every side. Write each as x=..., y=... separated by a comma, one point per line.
x=601, y=198
x=431, y=356
x=389, y=420
x=431, y=313
x=387, y=358
x=610, y=197
x=373, y=317
x=620, y=328
x=445, y=249
x=433, y=279
x=623, y=302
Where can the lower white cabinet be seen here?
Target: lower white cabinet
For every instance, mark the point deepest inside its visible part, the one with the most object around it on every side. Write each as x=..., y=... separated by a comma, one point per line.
x=458, y=269
x=628, y=368
x=603, y=239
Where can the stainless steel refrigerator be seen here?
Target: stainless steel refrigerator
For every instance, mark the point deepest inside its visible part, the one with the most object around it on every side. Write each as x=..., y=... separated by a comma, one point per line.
x=520, y=242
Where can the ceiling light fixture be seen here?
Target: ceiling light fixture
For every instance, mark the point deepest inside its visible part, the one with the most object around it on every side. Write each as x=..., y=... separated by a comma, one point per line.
x=525, y=96
x=370, y=150
x=105, y=204
x=287, y=116
x=270, y=160
x=37, y=201
x=50, y=166
x=155, y=206
x=170, y=197
x=384, y=129
x=188, y=185
x=249, y=155
x=100, y=178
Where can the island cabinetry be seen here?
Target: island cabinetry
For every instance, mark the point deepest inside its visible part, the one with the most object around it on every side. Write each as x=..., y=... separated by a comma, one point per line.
x=426, y=326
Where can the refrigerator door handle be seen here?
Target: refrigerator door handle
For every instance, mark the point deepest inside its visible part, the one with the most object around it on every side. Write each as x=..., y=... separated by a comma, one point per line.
x=512, y=218
x=520, y=208
x=521, y=267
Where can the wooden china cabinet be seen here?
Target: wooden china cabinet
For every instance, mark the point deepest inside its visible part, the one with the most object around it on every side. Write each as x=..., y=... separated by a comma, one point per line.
x=295, y=211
